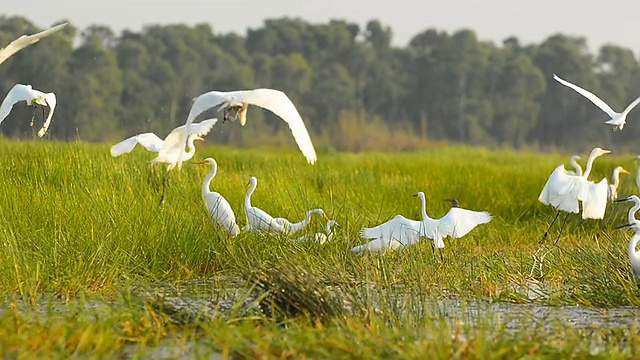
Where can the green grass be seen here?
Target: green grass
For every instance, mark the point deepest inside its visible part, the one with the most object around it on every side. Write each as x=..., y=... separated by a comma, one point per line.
x=85, y=248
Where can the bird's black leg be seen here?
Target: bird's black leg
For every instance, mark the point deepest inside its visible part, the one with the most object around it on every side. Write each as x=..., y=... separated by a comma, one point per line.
x=441, y=257
x=164, y=187
x=225, y=114
x=564, y=223
x=546, y=233
x=33, y=116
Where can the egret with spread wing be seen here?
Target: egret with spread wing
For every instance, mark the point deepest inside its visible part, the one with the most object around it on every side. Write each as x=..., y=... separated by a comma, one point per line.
x=33, y=98
x=235, y=105
x=218, y=207
x=617, y=119
x=170, y=149
x=26, y=40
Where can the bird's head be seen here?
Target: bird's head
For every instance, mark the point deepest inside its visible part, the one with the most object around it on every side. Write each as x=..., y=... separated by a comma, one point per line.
x=454, y=202
x=252, y=181
x=419, y=194
x=621, y=170
x=633, y=198
x=599, y=152
x=575, y=158
x=207, y=161
x=333, y=223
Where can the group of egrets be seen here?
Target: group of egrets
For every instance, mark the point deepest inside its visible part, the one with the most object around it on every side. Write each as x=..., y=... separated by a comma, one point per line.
x=564, y=190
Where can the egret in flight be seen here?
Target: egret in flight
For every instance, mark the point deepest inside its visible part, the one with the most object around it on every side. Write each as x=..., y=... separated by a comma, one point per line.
x=218, y=207
x=321, y=238
x=613, y=188
x=33, y=98
x=634, y=255
x=26, y=40
x=617, y=119
x=170, y=149
x=235, y=105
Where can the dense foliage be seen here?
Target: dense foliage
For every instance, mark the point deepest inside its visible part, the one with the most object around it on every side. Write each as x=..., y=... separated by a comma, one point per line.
x=353, y=88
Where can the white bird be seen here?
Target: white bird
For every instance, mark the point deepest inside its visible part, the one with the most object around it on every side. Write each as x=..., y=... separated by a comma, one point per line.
x=291, y=228
x=634, y=255
x=617, y=119
x=26, y=40
x=237, y=102
x=218, y=207
x=391, y=235
x=576, y=166
x=168, y=149
x=321, y=238
x=32, y=97
x=638, y=173
x=613, y=188
x=456, y=223
x=258, y=219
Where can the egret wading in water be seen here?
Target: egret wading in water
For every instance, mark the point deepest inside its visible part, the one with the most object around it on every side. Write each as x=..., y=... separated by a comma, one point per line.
x=617, y=119
x=33, y=98
x=613, y=188
x=217, y=206
x=565, y=192
x=26, y=40
x=321, y=238
x=634, y=255
x=169, y=150
x=235, y=104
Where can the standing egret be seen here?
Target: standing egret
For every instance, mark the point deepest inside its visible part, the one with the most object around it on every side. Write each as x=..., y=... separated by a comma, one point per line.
x=613, y=188
x=617, y=119
x=170, y=149
x=32, y=97
x=236, y=103
x=634, y=255
x=291, y=228
x=576, y=166
x=258, y=219
x=26, y=40
x=321, y=238
x=218, y=207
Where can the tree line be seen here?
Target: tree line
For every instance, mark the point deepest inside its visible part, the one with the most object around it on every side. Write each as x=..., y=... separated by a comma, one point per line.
x=353, y=88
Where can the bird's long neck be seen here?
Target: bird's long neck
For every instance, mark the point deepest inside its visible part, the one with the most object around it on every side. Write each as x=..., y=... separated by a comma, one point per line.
x=631, y=217
x=587, y=169
x=424, y=208
x=207, y=180
x=191, y=148
x=247, y=197
x=616, y=177
x=329, y=228
x=307, y=217
x=576, y=166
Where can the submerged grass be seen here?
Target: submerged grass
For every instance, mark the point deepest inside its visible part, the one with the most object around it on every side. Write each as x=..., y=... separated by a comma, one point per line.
x=83, y=230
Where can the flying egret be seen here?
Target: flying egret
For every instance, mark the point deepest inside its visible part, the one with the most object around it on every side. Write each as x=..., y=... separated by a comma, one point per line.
x=617, y=119
x=170, y=149
x=634, y=255
x=26, y=40
x=258, y=219
x=235, y=104
x=218, y=207
x=321, y=238
x=32, y=97
x=576, y=166
x=291, y=228
x=613, y=188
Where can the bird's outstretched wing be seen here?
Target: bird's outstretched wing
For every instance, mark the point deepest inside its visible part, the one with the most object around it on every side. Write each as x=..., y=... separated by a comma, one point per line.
x=631, y=106
x=459, y=222
x=17, y=93
x=200, y=104
x=594, y=199
x=149, y=140
x=279, y=103
x=26, y=40
x=51, y=101
x=175, y=141
x=593, y=98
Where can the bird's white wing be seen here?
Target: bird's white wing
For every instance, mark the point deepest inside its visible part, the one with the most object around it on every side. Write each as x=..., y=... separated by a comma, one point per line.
x=593, y=98
x=279, y=103
x=26, y=40
x=149, y=140
x=399, y=228
x=17, y=93
x=560, y=191
x=176, y=139
x=631, y=106
x=459, y=222
x=200, y=104
x=51, y=101
x=594, y=203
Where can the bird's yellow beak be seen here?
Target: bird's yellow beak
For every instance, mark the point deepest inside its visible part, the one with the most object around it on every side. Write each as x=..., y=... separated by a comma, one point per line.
x=198, y=138
x=201, y=162
x=326, y=217
x=247, y=184
x=606, y=151
x=624, y=171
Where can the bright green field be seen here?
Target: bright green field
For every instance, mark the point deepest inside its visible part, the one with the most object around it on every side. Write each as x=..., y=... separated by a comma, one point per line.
x=87, y=255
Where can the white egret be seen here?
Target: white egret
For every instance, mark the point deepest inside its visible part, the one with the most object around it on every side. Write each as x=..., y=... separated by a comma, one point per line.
x=258, y=219
x=237, y=102
x=26, y=40
x=576, y=166
x=638, y=173
x=613, y=188
x=218, y=207
x=321, y=238
x=634, y=255
x=291, y=228
x=617, y=119
x=32, y=97
x=170, y=149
